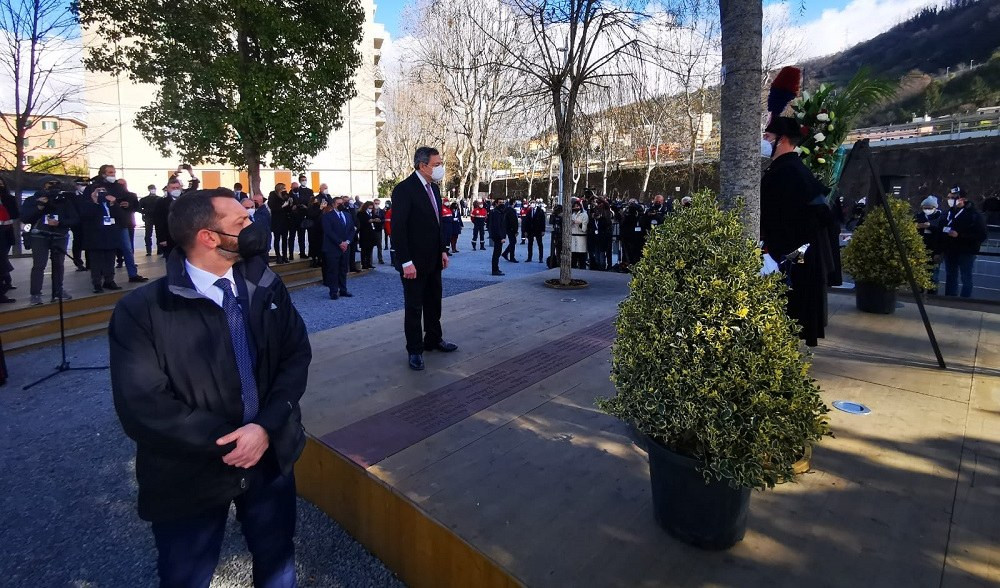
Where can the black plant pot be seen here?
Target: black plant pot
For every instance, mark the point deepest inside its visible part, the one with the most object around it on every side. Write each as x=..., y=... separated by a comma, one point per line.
x=709, y=516
x=875, y=299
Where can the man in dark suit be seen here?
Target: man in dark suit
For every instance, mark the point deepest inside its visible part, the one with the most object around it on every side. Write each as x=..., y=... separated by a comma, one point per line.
x=238, y=192
x=535, y=222
x=338, y=234
x=420, y=254
x=161, y=217
x=511, y=216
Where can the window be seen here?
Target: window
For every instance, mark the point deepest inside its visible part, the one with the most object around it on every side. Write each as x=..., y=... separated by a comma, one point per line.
x=50, y=125
x=51, y=143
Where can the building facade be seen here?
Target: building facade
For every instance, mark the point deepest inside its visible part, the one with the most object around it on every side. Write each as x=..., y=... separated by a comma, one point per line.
x=55, y=144
x=347, y=165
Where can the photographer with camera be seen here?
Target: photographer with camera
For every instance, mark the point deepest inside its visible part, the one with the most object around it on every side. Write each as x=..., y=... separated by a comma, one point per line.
x=101, y=234
x=50, y=213
x=9, y=213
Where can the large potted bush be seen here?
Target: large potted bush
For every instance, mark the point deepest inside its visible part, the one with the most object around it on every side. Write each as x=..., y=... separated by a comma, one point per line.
x=872, y=258
x=707, y=367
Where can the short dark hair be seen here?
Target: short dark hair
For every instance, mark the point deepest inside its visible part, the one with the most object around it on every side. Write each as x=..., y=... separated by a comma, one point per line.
x=423, y=155
x=238, y=185
x=192, y=212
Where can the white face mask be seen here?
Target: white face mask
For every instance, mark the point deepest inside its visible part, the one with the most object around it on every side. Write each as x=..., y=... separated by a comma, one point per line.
x=951, y=202
x=110, y=179
x=929, y=211
x=766, y=148
x=175, y=193
x=437, y=173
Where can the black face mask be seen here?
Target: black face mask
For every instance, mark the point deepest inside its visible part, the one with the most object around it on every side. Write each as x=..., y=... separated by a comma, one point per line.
x=341, y=207
x=251, y=242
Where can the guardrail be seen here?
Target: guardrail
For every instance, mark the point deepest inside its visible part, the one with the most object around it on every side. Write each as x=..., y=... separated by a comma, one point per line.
x=951, y=128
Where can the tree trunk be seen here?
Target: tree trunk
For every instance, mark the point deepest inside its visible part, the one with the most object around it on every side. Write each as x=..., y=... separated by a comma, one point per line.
x=739, y=163
x=252, y=160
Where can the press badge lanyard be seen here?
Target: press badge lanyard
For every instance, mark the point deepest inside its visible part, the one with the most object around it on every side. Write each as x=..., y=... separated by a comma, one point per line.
x=107, y=214
x=947, y=228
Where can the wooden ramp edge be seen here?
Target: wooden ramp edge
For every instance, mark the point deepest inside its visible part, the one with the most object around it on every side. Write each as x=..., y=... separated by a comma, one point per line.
x=422, y=552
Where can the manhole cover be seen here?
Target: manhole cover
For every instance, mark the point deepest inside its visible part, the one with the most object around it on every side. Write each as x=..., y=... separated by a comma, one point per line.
x=851, y=407
x=568, y=300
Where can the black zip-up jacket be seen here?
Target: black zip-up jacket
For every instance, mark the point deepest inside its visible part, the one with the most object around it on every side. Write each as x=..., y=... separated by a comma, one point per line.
x=60, y=203
x=176, y=386
x=970, y=226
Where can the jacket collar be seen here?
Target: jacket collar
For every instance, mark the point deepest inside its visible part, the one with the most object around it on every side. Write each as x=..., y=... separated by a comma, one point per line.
x=253, y=272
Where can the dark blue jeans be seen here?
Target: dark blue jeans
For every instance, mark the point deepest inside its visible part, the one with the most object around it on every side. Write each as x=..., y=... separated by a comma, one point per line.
x=955, y=265
x=189, y=548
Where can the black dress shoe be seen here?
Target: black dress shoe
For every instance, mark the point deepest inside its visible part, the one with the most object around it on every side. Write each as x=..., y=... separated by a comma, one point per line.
x=112, y=286
x=416, y=361
x=441, y=346
x=136, y=279
x=98, y=289
x=512, y=260
x=347, y=294
x=334, y=297
x=6, y=300
x=499, y=273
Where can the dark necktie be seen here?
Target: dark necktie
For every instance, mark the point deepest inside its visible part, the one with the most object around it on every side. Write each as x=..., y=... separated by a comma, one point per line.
x=434, y=205
x=241, y=348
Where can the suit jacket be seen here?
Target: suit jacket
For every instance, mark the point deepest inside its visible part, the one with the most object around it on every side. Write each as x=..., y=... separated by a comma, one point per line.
x=535, y=221
x=416, y=229
x=336, y=231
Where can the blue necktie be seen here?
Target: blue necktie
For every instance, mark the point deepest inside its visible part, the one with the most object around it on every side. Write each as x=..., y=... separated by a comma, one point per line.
x=241, y=348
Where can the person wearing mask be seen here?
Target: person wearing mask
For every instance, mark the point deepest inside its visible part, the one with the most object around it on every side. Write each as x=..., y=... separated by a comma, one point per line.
x=603, y=223
x=579, y=220
x=369, y=233
x=379, y=222
x=78, y=255
x=963, y=230
x=161, y=217
x=351, y=207
x=338, y=232
x=147, y=204
x=101, y=236
x=447, y=223
x=497, y=227
x=50, y=214
x=456, y=224
x=794, y=212
x=185, y=176
x=534, y=221
x=633, y=233
x=655, y=214
x=556, y=220
x=262, y=215
x=280, y=204
x=928, y=223
x=479, y=216
x=512, y=220
x=523, y=210
x=123, y=212
x=420, y=254
x=207, y=368
x=238, y=192
x=314, y=230
x=10, y=212
x=388, y=225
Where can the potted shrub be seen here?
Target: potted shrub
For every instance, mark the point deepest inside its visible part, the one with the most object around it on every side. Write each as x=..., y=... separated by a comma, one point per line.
x=872, y=259
x=707, y=367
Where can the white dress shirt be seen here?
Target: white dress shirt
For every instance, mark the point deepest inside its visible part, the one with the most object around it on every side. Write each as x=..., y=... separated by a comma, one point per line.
x=204, y=282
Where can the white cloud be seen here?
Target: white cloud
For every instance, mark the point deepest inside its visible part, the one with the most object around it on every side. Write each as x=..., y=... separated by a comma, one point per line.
x=838, y=29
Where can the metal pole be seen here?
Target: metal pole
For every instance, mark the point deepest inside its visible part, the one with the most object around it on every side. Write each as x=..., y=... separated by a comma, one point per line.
x=865, y=149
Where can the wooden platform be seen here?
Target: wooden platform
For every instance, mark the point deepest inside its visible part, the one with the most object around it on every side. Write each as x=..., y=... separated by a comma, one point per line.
x=494, y=468
x=23, y=326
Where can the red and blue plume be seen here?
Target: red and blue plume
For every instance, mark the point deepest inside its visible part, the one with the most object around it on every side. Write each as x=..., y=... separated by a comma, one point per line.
x=784, y=89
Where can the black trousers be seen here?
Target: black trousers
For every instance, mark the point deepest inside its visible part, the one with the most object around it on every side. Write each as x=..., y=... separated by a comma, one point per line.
x=366, y=254
x=292, y=233
x=78, y=259
x=480, y=230
x=512, y=242
x=532, y=239
x=336, y=271
x=352, y=255
x=378, y=248
x=315, y=241
x=497, y=249
x=280, y=243
x=422, y=315
x=188, y=549
x=102, y=266
x=148, y=239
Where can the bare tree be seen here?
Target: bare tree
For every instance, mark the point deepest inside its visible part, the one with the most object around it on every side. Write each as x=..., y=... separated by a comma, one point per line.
x=411, y=120
x=41, y=53
x=565, y=47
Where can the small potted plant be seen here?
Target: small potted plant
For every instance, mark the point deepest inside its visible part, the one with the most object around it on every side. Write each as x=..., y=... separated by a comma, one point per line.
x=707, y=368
x=872, y=258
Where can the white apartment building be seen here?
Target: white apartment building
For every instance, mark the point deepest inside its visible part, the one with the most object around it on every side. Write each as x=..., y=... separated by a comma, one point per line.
x=347, y=165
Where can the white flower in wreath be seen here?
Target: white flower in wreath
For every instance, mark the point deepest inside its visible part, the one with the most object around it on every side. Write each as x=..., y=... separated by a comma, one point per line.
x=822, y=117
x=800, y=115
x=819, y=137
x=798, y=150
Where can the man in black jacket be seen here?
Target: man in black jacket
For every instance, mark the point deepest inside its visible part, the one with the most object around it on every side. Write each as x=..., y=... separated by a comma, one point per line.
x=535, y=223
x=124, y=212
x=50, y=214
x=511, y=216
x=963, y=230
x=147, y=204
x=207, y=368
x=161, y=217
x=420, y=253
x=496, y=226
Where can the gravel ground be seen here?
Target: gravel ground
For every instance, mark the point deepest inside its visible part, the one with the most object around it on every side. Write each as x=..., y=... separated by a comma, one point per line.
x=67, y=489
